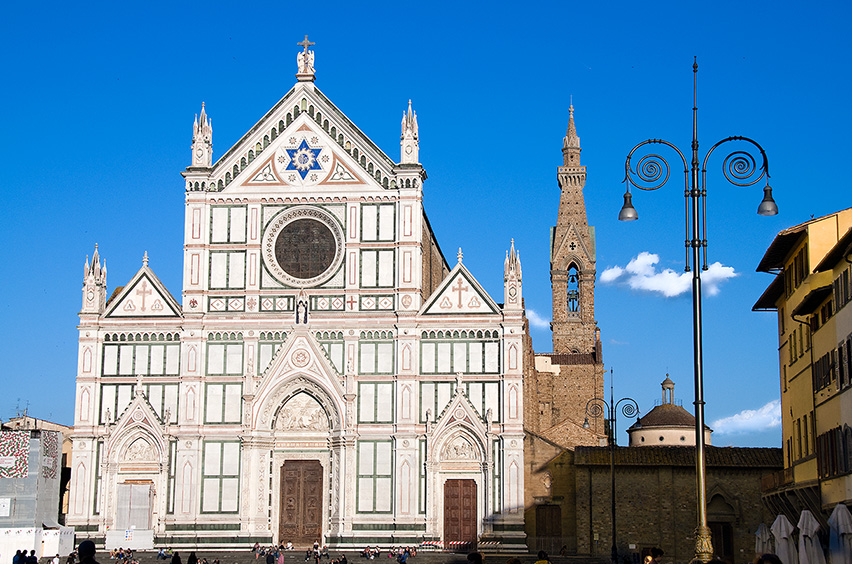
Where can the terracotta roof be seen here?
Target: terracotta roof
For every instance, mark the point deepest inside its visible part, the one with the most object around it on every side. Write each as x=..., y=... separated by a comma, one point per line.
x=115, y=292
x=784, y=242
x=680, y=456
x=667, y=415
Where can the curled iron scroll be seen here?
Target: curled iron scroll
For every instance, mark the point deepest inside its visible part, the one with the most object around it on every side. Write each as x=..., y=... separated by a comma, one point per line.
x=740, y=169
x=652, y=171
x=595, y=408
x=630, y=409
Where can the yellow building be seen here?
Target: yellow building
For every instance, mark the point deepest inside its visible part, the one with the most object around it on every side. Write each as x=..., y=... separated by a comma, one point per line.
x=810, y=261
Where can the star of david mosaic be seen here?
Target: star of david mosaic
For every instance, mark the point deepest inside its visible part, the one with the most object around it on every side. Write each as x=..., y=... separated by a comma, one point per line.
x=303, y=159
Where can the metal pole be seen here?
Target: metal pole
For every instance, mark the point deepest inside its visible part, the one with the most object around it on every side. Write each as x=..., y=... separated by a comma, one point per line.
x=703, y=541
x=651, y=173
x=614, y=551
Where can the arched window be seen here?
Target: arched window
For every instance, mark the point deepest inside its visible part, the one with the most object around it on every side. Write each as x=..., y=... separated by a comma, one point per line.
x=573, y=289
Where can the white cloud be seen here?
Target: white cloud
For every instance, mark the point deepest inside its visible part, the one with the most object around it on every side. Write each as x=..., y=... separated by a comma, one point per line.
x=536, y=320
x=611, y=274
x=641, y=274
x=750, y=420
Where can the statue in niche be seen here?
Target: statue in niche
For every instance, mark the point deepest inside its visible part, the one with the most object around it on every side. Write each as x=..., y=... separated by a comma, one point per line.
x=302, y=308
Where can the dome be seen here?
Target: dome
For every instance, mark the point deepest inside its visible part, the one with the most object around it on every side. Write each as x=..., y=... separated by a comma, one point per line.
x=667, y=424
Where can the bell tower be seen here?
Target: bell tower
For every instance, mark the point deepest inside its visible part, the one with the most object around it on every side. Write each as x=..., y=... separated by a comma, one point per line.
x=572, y=257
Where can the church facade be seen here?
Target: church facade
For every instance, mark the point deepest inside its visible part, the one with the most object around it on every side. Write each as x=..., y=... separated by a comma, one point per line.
x=325, y=375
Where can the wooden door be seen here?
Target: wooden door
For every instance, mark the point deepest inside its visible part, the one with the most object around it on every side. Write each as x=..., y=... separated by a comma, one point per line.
x=548, y=528
x=460, y=518
x=301, y=502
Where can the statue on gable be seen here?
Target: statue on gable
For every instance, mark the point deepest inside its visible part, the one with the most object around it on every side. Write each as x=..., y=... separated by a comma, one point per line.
x=305, y=59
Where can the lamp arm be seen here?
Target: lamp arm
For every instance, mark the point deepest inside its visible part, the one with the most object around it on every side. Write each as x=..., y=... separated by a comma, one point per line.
x=596, y=407
x=739, y=166
x=629, y=409
x=651, y=168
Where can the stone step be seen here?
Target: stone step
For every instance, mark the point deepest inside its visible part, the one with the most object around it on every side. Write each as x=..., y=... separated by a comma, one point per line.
x=353, y=557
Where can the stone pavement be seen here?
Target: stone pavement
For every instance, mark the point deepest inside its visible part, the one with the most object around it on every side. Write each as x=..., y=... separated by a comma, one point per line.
x=298, y=557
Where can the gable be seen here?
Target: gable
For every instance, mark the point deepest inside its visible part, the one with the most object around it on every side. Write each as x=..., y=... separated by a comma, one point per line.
x=304, y=156
x=303, y=142
x=143, y=296
x=572, y=247
x=459, y=293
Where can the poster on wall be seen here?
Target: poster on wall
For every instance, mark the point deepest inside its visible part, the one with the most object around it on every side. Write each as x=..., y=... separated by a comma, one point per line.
x=50, y=454
x=14, y=452
x=5, y=506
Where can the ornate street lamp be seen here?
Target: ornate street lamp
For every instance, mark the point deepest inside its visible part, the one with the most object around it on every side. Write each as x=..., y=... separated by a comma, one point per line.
x=650, y=173
x=595, y=408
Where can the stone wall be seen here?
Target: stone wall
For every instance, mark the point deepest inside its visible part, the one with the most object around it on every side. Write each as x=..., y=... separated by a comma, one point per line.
x=656, y=503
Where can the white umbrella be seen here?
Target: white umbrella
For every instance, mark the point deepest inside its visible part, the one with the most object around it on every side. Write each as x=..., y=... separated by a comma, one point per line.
x=763, y=541
x=810, y=549
x=785, y=548
x=840, y=546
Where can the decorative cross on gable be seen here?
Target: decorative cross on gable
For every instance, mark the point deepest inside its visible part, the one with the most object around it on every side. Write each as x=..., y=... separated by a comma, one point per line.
x=460, y=288
x=306, y=43
x=144, y=291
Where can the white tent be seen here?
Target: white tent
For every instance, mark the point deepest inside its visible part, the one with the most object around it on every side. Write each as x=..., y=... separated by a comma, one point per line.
x=785, y=548
x=810, y=549
x=840, y=546
x=763, y=540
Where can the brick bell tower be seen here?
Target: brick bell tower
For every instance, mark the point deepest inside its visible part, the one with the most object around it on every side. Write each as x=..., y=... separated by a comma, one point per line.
x=558, y=384
x=572, y=258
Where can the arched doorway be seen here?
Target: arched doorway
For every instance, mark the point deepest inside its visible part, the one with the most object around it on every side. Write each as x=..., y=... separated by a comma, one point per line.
x=301, y=429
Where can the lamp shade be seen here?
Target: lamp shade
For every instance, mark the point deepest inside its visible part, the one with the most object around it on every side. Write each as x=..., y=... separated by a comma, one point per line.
x=628, y=212
x=768, y=205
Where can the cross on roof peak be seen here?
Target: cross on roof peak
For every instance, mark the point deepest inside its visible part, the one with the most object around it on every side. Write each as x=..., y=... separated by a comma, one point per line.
x=306, y=43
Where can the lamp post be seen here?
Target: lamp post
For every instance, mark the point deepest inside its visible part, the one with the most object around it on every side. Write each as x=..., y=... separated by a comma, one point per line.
x=595, y=408
x=650, y=173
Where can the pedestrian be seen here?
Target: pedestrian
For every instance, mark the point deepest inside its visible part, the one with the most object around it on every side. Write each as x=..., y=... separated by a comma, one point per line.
x=542, y=558
x=176, y=558
x=769, y=558
x=56, y=559
x=86, y=552
x=656, y=555
x=32, y=558
x=476, y=558
x=193, y=559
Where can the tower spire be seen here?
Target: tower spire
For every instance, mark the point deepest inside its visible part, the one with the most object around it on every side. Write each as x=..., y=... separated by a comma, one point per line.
x=94, y=285
x=512, y=279
x=572, y=257
x=202, y=140
x=409, y=141
x=571, y=142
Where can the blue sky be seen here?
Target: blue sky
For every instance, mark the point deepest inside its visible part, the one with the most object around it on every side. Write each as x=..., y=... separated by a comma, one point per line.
x=98, y=102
